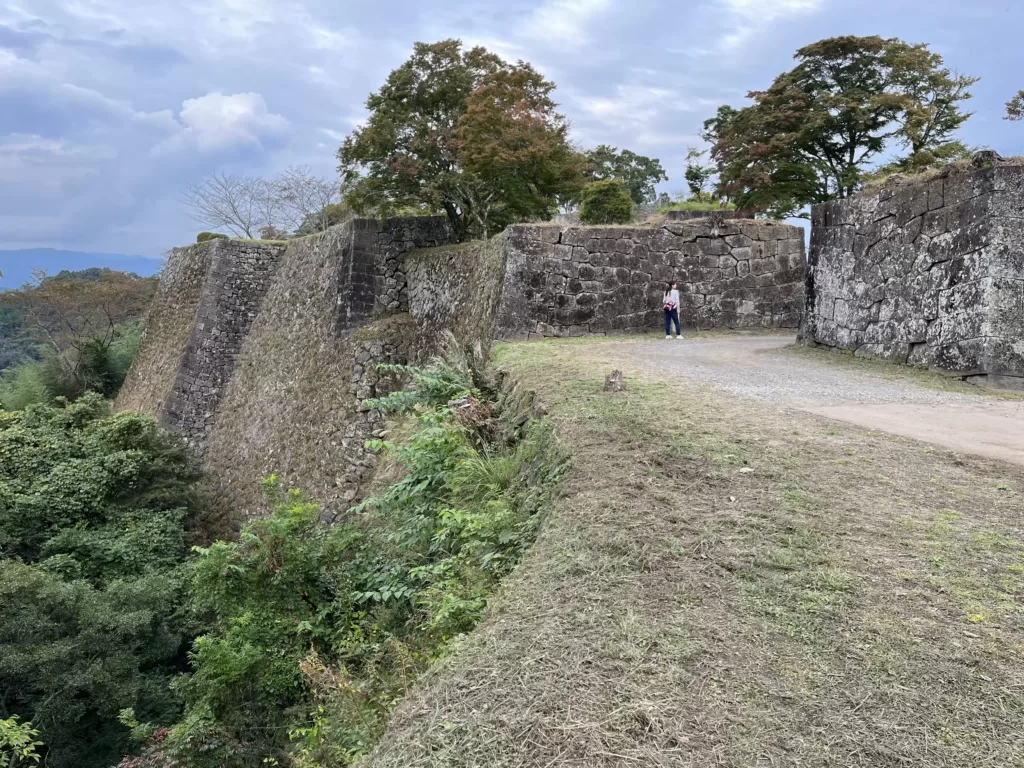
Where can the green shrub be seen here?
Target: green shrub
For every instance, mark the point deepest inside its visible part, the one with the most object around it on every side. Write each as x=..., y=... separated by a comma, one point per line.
x=18, y=745
x=23, y=385
x=316, y=630
x=96, y=368
x=93, y=509
x=606, y=202
x=202, y=237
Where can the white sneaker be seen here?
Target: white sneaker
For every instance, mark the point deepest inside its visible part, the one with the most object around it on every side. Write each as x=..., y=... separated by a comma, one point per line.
x=668, y=337
x=679, y=338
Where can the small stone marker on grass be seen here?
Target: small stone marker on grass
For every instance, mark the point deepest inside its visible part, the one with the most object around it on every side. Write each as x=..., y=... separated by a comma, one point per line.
x=613, y=382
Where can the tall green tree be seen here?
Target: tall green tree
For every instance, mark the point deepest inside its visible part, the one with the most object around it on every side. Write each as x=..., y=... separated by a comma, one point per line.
x=698, y=174
x=93, y=510
x=1015, y=107
x=638, y=173
x=466, y=133
x=821, y=126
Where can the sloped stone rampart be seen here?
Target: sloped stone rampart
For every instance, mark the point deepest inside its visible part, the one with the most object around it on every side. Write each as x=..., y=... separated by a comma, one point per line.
x=579, y=281
x=928, y=273
x=455, y=290
x=271, y=373
x=169, y=325
x=238, y=277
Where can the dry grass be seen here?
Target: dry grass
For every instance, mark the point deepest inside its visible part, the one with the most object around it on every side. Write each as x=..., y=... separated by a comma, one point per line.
x=727, y=584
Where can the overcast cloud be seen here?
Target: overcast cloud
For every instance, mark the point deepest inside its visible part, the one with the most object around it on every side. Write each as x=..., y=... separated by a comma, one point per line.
x=109, y=108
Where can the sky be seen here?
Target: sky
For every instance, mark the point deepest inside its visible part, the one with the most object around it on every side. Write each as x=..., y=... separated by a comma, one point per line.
x=109, y=109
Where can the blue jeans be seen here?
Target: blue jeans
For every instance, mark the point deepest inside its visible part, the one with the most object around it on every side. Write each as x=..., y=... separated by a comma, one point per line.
x=672, y=316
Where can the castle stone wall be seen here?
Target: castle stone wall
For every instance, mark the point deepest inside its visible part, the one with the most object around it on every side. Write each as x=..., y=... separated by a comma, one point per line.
x=169, y=325
x=263, y=353
x=579, y=281
x=455, y=290
x=928, y=273
x=238, y=277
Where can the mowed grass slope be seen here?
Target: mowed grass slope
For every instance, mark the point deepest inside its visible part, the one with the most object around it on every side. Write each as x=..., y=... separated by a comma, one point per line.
x=724, y=583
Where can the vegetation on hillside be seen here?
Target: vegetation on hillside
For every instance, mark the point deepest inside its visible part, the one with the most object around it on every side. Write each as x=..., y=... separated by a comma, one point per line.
x=70, y=333
x=93, y=516
x=815, y=132
x=289, y=645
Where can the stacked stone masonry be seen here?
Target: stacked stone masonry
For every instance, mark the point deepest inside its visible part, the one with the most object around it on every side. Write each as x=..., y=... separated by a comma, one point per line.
x=928, y=273
x=238, y=277
x=283, y=344
x=582, y=281
x=271, y=349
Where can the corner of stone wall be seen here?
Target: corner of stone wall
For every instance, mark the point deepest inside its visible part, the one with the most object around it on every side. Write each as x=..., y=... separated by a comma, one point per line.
x=239, y=274
x=169, y=323
x=292, y=405
x=928, y=272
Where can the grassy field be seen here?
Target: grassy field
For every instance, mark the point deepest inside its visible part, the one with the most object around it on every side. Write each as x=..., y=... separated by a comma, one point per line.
x=727, y=584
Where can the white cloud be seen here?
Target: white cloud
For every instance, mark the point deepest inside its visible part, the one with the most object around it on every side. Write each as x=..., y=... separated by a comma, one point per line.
x=217, y=121
x=769, y=10
x=563, y=21
x=753, y=14
x=331, y=39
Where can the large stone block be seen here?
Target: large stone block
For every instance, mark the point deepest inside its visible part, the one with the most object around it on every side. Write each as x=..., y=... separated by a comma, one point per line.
x=934, y=269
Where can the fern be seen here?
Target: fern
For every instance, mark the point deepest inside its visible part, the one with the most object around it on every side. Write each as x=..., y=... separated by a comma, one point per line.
x=437, y=385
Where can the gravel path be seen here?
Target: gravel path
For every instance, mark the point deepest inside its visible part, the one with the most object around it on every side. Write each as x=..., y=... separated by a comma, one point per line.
x=760, y=367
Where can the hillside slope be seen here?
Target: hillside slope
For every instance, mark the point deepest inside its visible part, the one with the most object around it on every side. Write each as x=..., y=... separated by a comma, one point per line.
x=729, y=583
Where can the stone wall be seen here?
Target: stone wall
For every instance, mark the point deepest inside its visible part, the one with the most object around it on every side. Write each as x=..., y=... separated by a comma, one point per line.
x=238, y=277
x=263, y=353
x=282, y=347
x=169, y=325
x=928, y=273
x=455, y=290
x=577, y=281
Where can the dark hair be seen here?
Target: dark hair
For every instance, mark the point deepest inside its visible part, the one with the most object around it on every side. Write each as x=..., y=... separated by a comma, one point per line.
x=670, y=284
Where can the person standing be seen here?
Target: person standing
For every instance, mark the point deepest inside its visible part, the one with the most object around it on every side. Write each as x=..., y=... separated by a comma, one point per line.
x=672, y=311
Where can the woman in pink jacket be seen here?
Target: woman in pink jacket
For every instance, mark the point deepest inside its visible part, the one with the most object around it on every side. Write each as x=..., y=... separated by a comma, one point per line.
x=672, y=311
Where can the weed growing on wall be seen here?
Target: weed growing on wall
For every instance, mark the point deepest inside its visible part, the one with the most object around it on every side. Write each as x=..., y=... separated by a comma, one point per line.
x=316, y=631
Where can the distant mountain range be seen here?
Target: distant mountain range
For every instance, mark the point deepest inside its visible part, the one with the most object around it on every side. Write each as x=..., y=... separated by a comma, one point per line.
x=17, y=265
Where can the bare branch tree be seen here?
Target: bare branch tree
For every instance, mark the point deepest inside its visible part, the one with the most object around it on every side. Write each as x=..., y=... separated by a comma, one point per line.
x=240, y=204
x=304, y=197
x=248, y=206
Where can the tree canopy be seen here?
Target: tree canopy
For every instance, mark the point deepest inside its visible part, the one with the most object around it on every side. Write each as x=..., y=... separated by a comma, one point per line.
x=606, y=202
x=84, y=326
x=466, y=133
x=93, y=509
x=1015, y=107
x=821, y=126
x=638, y=173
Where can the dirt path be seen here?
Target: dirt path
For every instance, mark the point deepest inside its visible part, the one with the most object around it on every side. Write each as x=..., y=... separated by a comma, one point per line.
x=903, y=402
